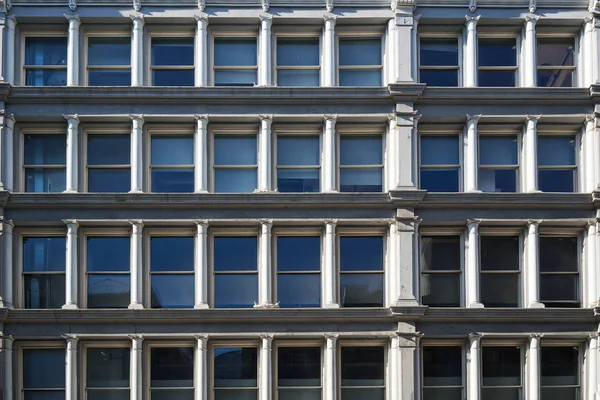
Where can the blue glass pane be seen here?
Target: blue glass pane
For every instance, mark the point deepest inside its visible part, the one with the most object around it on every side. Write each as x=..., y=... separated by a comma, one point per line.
x=361, y=290
x=172, y=291
x=556, y=180
x=555, y=52
x=297, y=77
x=108, y=291
x=498, y=150
x=44, y=254
x=109, y=51
x=235, y=150
x=439, y=78
x=440, y=253
x=175, y=77
x=440, y=180
x=236, y=290
x=439, y=52
x=298, y=150
x=44, y=291
x=173, y=51
x=302, y=253
x=50, y=361
x=46, y=77
x=108, y=367
x=40, y=180
x=360, y=77
x=109, y=180
x=439, y=150
x=114, y=77
x=361, y=253
x=173, y=180
x=497, y=52
x=361, y=180
x=556, y=150
x=45, y=149
x=555, y=78
x=171, y=367
x=498, y=180
x=235, y=253
x=235, y=78
x=298, y=180
x=107, y=254
x=46, y=51
x=172, y=253
x=235, y=180
x=172, y=150
x=299, y=290
x=235, y=52
x=44, y=395
x=440, y=290
x=497, y=78
x=114, y=394
x=108, y=149
x=361, y=150
x=360, y=51
x=235, y=367
x=297, y=51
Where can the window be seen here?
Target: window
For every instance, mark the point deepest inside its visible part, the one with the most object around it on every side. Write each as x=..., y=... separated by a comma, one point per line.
x=438, y=63
x=172, y=373
x=442, y=373
x=440, y=271
x=556, y=163
x=235, y=163
x=45, y=163
x=361, y=271
x=43, y=373
x=235, y=373
x=298, y=163
x=440, y=163
x=299, y=373
x=362, y=371
x=361, y=163
x=498, y=163
x=172, y=272
x=501, y=373
x=360, y=62
x=235, y=62
x=172, y=163
x=46, y=61
x=107, y=373
x=236, y=276
x=107, y=266
x=559, y=271
x=560, y=373
x=500, y=270
x=556, y=64
x=172, y=61
x=497, y=62
x=109, y=61
x=299, y=271
x=298, y=61
x=44, y=271
x=108, y=167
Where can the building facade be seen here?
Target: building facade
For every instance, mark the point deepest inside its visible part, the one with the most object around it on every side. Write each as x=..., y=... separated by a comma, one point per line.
x=283, y=199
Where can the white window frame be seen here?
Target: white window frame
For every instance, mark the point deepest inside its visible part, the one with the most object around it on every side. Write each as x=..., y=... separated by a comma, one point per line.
x=358, y=343
x=23, y=51
x=31, y=131
x=360, y=130
x=522, y=354
x=578, y=154
x=307, y=33
x=442, y=343
x=574, y=38
x=84, y=153
x=447, y=36
x=229, y=344
x=239, y=32
x=485, y=35
x=504, y=133
x=103, y=345
x=37, y=345
x=230, y=131
x=298, y=132
x=148, y=365
x=156, y=33
x=359, y=33
x=580, y=363
x=295, y=343
x=116, y=33
x=460, y=166
x=166, y=132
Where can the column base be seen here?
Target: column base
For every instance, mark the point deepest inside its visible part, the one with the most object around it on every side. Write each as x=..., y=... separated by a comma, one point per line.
x=331, y=305
x=1, y=303
x=402, y=187
x=474, y=191
x=71, y=306
x=475, y=305
x=264, y=191
x=266, y=305
x=201, y=306
x=331, y=191
x=534, y=191
x=203, y=191
x=405, y=303
x=70, y=191
x=136, y=191
x=136, y=306
x=536, y=304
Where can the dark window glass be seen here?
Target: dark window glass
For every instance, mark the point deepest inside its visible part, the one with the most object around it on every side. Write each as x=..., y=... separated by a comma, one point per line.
x=442, y=366
x=298, y=163
x=440, y=271
x=497, y=78
x=168, y=153
x=235, y=253
x=111, y=77
x=51, y=362
x=560, y=373
x=501, y=366
x=433, y=77
x=173, y=51
x=364, y=253
x=298, y=253
x=46, y=61
x=107, y=368
x=112, y=52
x=235, y=161
x=555, y=58
x=231, y=256
x=44, y=254
x=361, y=271
x=361, y=163
x=171, y=253
x=44, y=162
x=497, y=52
x=439, y=62
x=171, y=367
x=235, y=367
x=235, y=62
x=107, y=254
x=439, y=163
x=105, y=156
x=362, y=373
x=170, y=258
x=557, y=165
x=107, y=265
x=299, y=367
x=44, y=291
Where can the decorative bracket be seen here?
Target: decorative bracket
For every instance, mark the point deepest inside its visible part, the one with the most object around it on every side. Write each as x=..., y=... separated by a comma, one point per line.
x=265, y=5
x=329, y=5
x=73, y=5
x=201, y=5
x=137, y=5
x=472, y=5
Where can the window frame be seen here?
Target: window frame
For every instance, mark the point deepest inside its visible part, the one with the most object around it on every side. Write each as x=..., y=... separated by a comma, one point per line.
x=438, y=36
x=343, y=32
x=490, y=34
x=161, y=33
x=37, y=345
x=148, y=363
x=502, y=133
x=84, y=153
x=576, y=167
x=213, y=344
x=25, y=131
x=580, y=362
x=244, y=130
x=459, y=167
x=308, y=33
x=120, y=32
x=299, y=132
x=287, y=343
x=445, y=343
x=547, y=36
x=363, y=343
x=361, y=130
x=32, y=33
x=522, y=356
x=116, y=344
x=166, y=132
x=242, y=32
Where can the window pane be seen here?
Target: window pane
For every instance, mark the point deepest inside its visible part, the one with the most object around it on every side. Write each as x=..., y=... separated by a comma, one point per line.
x=298, y=77
x=558, y=254
x=556, y=180
x=298, y=180
x=45, y=149
x=173, y=150
x=172, y=367
x=109, y=180
x=300, y=394
x=500, y=290
x=239, y=394
x=298, y=150
x=44, y=395
x=498, y=150
x=50, y=361
x=560, y=366
x=173, y=77
x=172, y=394
x=555, y=52
x=297, y=51
x=443, y=394
x=497, y=52
x=497, y=78
x=107, y=254
x=46, y=77
x=439, y=77
x=41, y=180
x=235, y=150
x=235, y=180
x=442, y=366
x=107, y=367
x=235, y=253
x=109, y=51
x=236, y=290
x=360, y=51
x=299, y=366
x=361, y=150
x=361, y=77
x=440, y=290
x=501, y=394
x=560, y=393
x=558, y=288
x=235, y=78
x=439, y=253
x=122, y=394
x=362, y=394
x=302, y=253
x=439, y=150
x=361, y=253
x=439, y=52
x=173, y=180
x=235, y=367
x=440, y=180
x=500, y=253
x=173, y=51
x=362, y=366
x=172, y=253
x=555, y=78
x=44, y=254
x=498, y=180
x=556, y=150
x=501, y=366
x=172, y=291
x=299, y=290
x=112, y=77
x=108, y=291
x=361, y=180
x=46, y=51
x=108, y=149
x=361, y=290
x=235, y=52
x=44, y=291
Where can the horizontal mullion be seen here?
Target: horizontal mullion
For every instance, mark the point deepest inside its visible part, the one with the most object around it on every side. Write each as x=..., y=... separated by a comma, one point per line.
x=234, y=166
x=172, y=67
x=299, y=387
x=550, y=167
x=448, y=166
x=498, y=68
x=362, y=67
x=298, y=167
x=44, y=166
x=560, y=273
x=188, y=166
x=108, y=388
x=299, y=272
x=374, y=166
x=561, y=386
x=500, y=272
x=173, y=388
x=502, y=387
x=442, y=387
x=377, y=272
x=191, y=273
x=108, y=273
x=364, y=387
x=99, y=67
x=44, y=273
x=305, y=67
x=438, y=272
x=115, y=166
x=235, y=68
x=439, y=67
x=235, y=272
x=559, y=67
x=500, y=166
x=56, y=67
x=44, y=389
x=237, y=388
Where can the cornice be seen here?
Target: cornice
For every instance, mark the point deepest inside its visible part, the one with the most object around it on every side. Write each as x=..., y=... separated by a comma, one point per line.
x=510, y=200
x=510, y=314
x=406, y=91
x=402, y=197
x=508, y=95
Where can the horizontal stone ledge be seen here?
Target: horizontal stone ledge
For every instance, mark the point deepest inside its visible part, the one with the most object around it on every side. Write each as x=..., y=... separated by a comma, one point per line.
x=510, y=200
x=492, y=315
x=511, y=95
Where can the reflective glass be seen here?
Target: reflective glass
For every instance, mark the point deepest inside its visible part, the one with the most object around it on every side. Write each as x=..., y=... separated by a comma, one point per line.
x=173, y=51
x=439, y=77
x=497, y=52
x=361, y=150
x=442, y=366
x=361, y=253
x=501, y=393
x=501, y=366
x=497, y=78
x=362, y=366
x=361, y=180
x=112, y=77
x=298, y=77
x=498, y=180
x=439, y=150
x=44, y=254
x=500, y=253
x=556, y=150
x=46, y=77
x=500, y=290
x=173, y=77
x=109, y=180
x=44, y=395
x=44, y=291
x=560, y=366
x=555, y=78
x=235, y=52
x=43, y=368
x=235, y=150
x=108, y=149
x=360, y=51
x=46, y=51
x=361, y=290
x=560, y=393
x=556, y=180
x=361, y=77
x=298, y=253
x=171, y=367
x=555, y=52
x=172, y=253
x=236, y=77
x=107, y=254
x=116, y=394
x=299, y=366
x=45, y=149
x=559, y=288
x=297, y=51
x=439, y=253
x=298, y=180
x=235, y=180
x=173, y=180
x=300, y=394
x=172, y=291
x=172, y=394
x=236, y=394
x=440, y=290
x=443, y=394
x=172, y=150
x=299, y=290
x=109, y=51
x=439, y=52
x=498, y=150
x=363, y=393
x=298, y=150
x=440, y=180
x=236, y=290
x=558, y=254
x=235, y=253
x=235, y=367
x=108, y=291
x=107, y=367
x=45, y=180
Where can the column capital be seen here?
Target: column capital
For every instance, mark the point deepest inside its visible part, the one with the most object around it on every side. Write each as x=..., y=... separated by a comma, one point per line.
x=330, y=117
x=266, y=18
x=475, y=338
x=138, y=20
x=136, y=224
x=11, y=21
x=594, y=335
x=265, y=5
x=136, y=341
x=416, y=119
x=589, y=118
x=536, y=336
x=7, y=341
x=531, y=18
x=330, y=226
x=73, y=20
x=534, y=222
x=71, y=340
x=474, y=118
x=474, y=222
x=592, y=223
x=330, y=18
x=266, y=340
x=266, y=118
x=201, y=223
x=266, y=225
x=392, y=117
x=532, y=117
x=201, y=118
x=71, y=223
x=331, y=339
x=201, y=19
x=471, y=20
x=8, y=222
x=10, y=121
x=202, y=341
x=393, y=224
x=137, y=117
x=71, y=117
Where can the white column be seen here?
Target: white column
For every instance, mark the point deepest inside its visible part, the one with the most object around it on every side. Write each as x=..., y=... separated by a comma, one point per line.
x=3, y=29
x=406, y=257
x=266, y=371
x=329, y=159
x=390, y=153
x=201, y=53
x=588, y=53
x=265, y=292
x=330, y=378
x=137, y=153
x=470, y=49
x=414, y=49
x=530, y=154
x=71, y=370
x=264, y=154
x=7, y=361
x=403, y=53
x=136, y=264
x=201, y=368
x=591, y=266
x=533, y=367
x=532, y=266
x=7, y=276
x=328, y=278
x=395, y=369
x=329, y=53
x=73, y=50
x=136, y=367
x=72, y=177
x=591, y=364
x=403, y=151
x=391, y=47
x=137, y=50
x=8, y=153
x=472, y=265
x=530, y=47
x=11, y=25
x=201, y=265
x=596, y=47
x=3, y=134
x=71, y=267
x=392, y=274
x=471, y=154
x=474, y=367
x=265, y=62
x=408, y=345
x=201, y=155
x=589, y=154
